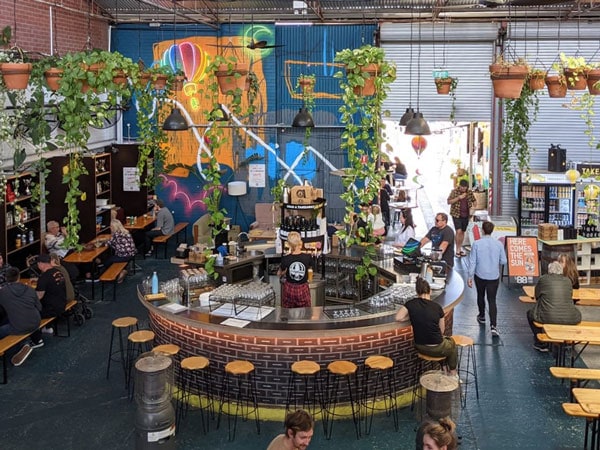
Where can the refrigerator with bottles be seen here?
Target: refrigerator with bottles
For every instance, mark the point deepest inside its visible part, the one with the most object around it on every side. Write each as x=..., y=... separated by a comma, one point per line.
x=544, y=197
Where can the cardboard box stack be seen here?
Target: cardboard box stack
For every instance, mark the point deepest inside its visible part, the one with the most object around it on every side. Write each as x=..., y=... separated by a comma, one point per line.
x=548, y=231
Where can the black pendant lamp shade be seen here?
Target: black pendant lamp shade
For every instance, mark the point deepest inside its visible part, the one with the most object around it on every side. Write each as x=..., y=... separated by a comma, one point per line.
x=410, y=112
x=175, y=121
x=303, y=119
x=417, y=126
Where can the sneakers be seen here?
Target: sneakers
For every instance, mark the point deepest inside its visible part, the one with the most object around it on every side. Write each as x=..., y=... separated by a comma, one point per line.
x=47, y=330
x=20, y=357
x=494, y=332
x=39, y=344
x=541, y=347
x=481, y=319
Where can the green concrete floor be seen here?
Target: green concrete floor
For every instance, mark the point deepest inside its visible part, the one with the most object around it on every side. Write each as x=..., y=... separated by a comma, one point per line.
x=60, y=399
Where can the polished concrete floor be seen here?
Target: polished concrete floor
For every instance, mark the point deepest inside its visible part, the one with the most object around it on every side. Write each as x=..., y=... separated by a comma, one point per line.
x=60, y=398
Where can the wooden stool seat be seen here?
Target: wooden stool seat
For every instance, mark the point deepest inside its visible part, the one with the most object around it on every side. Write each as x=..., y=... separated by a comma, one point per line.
x=342, y=368
x=168, y=349
x=425, y=357
x=462, y=341
x=195, y=363
x=379, y=362
x=124, y=322
x=140, y=337
x=305, y=367
x=239, y=367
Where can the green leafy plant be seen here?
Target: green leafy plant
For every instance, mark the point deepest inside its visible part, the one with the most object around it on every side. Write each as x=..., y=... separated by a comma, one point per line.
x=305, y=84
x=520, y=113
x=574, y=68
x=585, y=105
x=362, y=139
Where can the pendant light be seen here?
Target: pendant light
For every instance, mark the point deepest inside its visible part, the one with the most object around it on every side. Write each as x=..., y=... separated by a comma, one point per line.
x=409, y=113
x=418, y=126
x=175, y=121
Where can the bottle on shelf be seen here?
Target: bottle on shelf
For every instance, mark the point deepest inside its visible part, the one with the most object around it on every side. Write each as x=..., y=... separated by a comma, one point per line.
x=154, y=283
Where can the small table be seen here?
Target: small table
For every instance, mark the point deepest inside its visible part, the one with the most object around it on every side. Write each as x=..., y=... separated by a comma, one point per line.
x=573, y=334
x=88, y=256
x=589, y=400
x=141, y=223
x=586, y=296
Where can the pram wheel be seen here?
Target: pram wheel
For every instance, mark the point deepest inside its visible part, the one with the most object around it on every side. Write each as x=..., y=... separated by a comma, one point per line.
x=87, y=313
x=78, y=319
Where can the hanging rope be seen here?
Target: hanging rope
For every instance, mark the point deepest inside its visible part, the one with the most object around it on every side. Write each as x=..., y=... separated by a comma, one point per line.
x=419, y=63
x=411, y=56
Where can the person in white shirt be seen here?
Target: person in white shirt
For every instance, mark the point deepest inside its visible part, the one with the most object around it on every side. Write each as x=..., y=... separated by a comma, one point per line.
x=407, y=228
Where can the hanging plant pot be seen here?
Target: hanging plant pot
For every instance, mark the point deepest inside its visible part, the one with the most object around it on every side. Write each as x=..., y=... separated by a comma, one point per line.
x=576, y=79
x=557, y=86
x=369, y=88
x=53, y=76
x=230, y=80
x=593, y=81
x=508, y=80
x=178, y=81
x=536, y=82
x=15, y=75
x=159, y=81
x=443, y=85
x=95, y=68
x=120, y=78
x=307, y=85
x=144, y=80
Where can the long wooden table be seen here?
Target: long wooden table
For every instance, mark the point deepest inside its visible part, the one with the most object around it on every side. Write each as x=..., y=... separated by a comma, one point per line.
x=140, y=223
x=86, y=256
x=586, y=296
x=572, y=335
x=589, y=400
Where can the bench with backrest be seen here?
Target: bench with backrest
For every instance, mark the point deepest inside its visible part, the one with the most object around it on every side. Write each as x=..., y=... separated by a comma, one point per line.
x=111, y=275
x=12, y=340
x=164, y=239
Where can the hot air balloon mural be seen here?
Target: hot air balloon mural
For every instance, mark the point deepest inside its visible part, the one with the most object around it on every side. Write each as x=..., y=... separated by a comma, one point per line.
x=419, y=144
x=188, y=58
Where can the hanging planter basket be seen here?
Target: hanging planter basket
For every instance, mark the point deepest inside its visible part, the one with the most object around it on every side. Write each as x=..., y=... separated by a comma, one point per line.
x=178, y=81
x=557, y=86
x=536, y=82
x=593, y=81
x=15, y=75
x=96, y=68
x=231, y=80
x=307, y=85
x=443, y=85
x=508, y=80
x=576, y=79
x=53, y=77
x=369, y=88
x=120, y=78
x=159, y=81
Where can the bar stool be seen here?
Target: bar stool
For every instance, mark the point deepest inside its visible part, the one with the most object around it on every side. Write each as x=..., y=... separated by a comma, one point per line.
x=120, y=324
x=382, y=385
x=138, y=342
x=241, y=371
x=305, y=371
x=422, y=361
x=338, y=371
x=463, y=342
x=195, y=379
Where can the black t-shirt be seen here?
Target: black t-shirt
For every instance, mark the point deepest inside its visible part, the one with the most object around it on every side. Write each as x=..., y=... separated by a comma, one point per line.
x=425, y=318
x=437, y=236
x=297, y=267
x=52, y=283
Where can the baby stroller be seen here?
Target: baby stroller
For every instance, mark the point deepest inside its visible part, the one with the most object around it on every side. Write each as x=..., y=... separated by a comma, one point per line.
x=82, y=310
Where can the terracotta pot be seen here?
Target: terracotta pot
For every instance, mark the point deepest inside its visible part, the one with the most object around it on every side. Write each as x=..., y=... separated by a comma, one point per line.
x=536, y=82
x=576, y=80
x=120, y=78
x=369, y=87
x=178, y=82
x=307, y=85
x=96, y=68
x=53, y=76
x=159, y=81
x=557, y=87
x=15, y=75
x=593, y=77
x=508, y=80
x=144, y=79
x=443, y=85
x=229, y=81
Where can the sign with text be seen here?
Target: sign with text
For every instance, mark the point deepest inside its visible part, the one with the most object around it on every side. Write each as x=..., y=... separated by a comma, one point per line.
x=522, y=255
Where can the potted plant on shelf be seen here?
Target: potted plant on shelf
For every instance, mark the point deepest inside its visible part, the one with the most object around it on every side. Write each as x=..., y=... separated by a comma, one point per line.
x=362, y=138
x=520, y=113
x=575, y=70
x=508, y=77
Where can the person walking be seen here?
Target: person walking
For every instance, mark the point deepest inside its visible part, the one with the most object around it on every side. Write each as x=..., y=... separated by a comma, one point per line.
x=486, y=257
x=461, y=199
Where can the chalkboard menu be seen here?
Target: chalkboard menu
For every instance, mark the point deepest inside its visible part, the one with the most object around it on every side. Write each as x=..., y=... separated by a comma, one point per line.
x=522, y=255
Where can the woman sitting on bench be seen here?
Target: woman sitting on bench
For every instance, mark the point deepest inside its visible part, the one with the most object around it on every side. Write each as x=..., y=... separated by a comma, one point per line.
x=122, y=245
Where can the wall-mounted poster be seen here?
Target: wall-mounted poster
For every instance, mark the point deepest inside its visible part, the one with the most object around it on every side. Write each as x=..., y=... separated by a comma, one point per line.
x=131, y=179
x=256, y=175
x=522, y=255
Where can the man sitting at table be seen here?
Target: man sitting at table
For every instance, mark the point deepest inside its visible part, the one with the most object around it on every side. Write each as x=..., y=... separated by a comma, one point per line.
x=54, y=242
x=165, y=224
x=553, y=303
x=51, y=290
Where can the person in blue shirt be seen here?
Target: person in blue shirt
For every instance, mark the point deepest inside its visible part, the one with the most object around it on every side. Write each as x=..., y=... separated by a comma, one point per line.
x=487, y=254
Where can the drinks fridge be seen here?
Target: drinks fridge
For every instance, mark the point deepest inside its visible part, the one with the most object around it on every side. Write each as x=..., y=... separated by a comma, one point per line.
x=544, y=198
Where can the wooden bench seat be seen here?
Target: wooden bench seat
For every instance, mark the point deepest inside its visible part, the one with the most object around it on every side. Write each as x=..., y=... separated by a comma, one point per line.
x=575, y=410
x=12, y=340
x=164, y=239
x=111, y=275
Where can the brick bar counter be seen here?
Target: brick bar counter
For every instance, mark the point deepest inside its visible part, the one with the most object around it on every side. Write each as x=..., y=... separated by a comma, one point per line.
x=286, y=336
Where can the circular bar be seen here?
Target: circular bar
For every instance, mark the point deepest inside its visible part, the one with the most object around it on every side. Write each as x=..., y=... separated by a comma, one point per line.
x=288, y=335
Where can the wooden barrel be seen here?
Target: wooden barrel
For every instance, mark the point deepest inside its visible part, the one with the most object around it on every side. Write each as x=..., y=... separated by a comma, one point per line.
x=440, y=391
x=550, y=253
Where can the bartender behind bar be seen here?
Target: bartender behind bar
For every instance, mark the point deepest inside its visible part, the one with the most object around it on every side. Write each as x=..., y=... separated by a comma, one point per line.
x=295, y=266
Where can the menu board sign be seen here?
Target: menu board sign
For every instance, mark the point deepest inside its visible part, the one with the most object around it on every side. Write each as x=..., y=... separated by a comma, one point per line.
x=522, y=255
